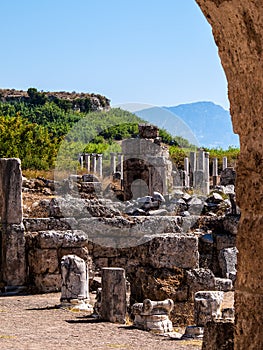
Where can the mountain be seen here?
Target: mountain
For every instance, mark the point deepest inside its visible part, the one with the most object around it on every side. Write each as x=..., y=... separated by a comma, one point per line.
x=210, y=123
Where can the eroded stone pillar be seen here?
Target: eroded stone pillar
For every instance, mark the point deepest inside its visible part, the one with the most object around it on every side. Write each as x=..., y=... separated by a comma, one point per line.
x=99, y=164
x=13, y=262
x=94, y=163
x=87, y=161
x=238, y=31
x=75, y=283
x=113, y=163
x=224, y=163
x=113, y=295
x=192, y=160
x=215, y=172
x=186, y=169
x=206, y=174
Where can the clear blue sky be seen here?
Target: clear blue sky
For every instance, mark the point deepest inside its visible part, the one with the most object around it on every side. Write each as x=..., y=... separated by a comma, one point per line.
x=144, y=51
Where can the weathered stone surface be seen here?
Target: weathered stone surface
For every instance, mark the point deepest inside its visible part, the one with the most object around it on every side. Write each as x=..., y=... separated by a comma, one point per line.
x=200, y=279
x=75, y=280
x=57, y=239
x=47, y=283
x=230, y=224
x=228, y=177
x=249, y=330
x=225, y=241
x=113, y=295
x=237, y=28
x=228, y=262
x=153, y=315
x=219, y=335
x=207, y=306
x=13, y=260
x=45, y=224
x=169, y=250
x=11, y=191
x=43, y=261
x=223, y=284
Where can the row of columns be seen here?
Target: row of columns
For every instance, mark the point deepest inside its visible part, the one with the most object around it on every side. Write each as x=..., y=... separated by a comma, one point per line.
x=197, y=173
x=92, y=162
x=116, y=163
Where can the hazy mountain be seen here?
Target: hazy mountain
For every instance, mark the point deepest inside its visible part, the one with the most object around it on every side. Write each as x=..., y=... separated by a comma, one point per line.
x=210, y=123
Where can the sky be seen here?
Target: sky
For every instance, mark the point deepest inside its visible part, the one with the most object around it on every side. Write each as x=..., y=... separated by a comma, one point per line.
x=155, y=52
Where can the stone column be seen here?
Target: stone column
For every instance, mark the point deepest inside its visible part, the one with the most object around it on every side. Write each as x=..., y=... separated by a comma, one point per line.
x=215, y=172
x=13, y=261
x=81, y=160
x=113, y=295
x=87, y=161
x=224, y=163
x=99, y=159
x=75, y=282
x=120, y=164
x=206, y=174
x=192, y=167
x=113, y=163
x=94, y=163
x=186, y=169
x=201, y=160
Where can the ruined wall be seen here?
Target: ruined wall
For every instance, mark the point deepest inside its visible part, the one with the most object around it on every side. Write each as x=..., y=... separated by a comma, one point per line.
x=238, y=31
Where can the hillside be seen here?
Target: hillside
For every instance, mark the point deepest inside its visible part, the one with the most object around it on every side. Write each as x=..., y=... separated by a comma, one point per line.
x=33, y=125
x=210, y=123
x=83, y=102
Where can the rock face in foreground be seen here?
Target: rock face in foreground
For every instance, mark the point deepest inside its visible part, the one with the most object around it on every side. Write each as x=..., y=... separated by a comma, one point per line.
x=238, y=31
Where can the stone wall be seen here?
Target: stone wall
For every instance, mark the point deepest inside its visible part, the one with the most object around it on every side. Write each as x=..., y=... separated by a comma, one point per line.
x=168, y=264
x=238, y=31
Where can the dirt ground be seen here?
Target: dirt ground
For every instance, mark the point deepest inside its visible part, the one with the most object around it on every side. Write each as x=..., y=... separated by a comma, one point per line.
x=35, y=322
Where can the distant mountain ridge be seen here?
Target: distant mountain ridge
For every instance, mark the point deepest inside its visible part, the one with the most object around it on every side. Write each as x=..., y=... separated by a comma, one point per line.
x=210, y=123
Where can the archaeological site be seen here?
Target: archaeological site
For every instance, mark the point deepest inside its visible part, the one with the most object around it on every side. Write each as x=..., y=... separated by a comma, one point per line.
x=174, y=252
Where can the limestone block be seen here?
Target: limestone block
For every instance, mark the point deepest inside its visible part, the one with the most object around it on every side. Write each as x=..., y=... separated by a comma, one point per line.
x=113, y=295
x=228, y=313
x=171, y=249
x=199, y=279
x=44, y=224
x=155, y=323
x=194, y=332
x=153, y=315
x=68, y=206
x=223, y=284
x=207, y=306
x=225, y=241
x=75, y=281
x=43, y=261
x=13, y=259
x=11, y=191
x=228, y=261
x=148, y=131
x=219, y=335
x=90, y=178
x=81, y=252
x=248, y=329
x=230, y=224
x=48, y=283
x=57, y=239
x=228, y=177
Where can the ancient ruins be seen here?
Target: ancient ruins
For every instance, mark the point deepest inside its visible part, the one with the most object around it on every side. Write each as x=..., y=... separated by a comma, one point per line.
x=167, y=245
x=237, y=29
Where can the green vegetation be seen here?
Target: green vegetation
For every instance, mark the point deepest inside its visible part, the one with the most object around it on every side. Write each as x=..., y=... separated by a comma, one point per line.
x=41, y=127
x=232, y=154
